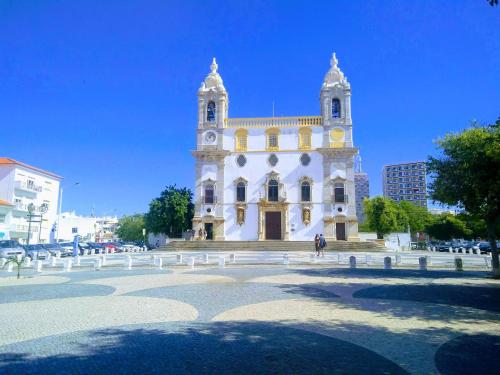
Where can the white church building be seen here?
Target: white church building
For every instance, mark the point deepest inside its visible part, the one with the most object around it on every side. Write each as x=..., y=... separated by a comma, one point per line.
x=277, y=178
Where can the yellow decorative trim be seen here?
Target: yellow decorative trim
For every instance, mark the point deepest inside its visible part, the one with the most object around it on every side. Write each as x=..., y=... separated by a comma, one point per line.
x=273, y=132
x=241, y=140
x=337, y=138
x=305, y=138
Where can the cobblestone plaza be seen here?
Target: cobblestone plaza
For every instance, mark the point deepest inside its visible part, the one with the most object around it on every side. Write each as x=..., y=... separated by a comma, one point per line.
x=249, y=319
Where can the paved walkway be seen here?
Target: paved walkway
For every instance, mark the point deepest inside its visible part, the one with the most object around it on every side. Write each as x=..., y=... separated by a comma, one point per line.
x=250, y=319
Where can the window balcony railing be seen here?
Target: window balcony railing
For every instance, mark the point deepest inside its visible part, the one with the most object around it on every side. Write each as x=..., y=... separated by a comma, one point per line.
x=28, y=186
x=273, y=121
x=23, y=228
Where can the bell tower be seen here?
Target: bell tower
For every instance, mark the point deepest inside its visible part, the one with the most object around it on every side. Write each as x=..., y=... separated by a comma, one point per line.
x=335, y=98
x=212, y=110
x=210, y=156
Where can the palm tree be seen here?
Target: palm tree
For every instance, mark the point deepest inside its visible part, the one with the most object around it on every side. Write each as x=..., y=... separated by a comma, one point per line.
x=18, y=261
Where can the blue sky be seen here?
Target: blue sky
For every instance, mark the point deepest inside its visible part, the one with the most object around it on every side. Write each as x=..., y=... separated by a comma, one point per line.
x=104, y=92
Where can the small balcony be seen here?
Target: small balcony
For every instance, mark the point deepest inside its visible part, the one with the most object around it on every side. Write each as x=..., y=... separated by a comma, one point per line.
x=28, y=186
x=21, y=207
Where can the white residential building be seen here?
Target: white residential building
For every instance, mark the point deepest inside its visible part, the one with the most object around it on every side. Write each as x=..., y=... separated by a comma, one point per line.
x=27, y=191
x=278, y=178
x=89, y=228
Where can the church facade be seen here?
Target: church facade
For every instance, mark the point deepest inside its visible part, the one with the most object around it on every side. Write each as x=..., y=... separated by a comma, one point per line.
x=277, y=178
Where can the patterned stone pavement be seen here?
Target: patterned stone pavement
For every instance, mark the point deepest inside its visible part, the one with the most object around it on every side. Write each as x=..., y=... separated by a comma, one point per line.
x=250, y=319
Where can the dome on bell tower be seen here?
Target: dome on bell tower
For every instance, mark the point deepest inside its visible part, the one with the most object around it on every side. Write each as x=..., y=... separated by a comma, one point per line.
x=213, y=81
x=335, y=76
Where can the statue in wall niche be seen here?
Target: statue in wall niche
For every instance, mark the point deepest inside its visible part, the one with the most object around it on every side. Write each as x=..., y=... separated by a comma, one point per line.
x=306, y=216
x=240, y=215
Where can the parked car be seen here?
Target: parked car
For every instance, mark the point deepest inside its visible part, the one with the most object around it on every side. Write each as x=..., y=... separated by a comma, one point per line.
x=53, y=248
x=84, y=247
x=95, y=248
x=67, y=246
x=444, y=246
x=10, y=248
x=36, y=251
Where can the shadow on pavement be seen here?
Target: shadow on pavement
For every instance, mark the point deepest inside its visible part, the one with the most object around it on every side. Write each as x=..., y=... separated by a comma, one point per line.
x=219, y=348
x=483, y=298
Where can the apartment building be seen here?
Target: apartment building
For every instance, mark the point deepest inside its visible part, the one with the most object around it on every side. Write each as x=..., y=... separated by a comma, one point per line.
x=28, y=202
x=406, y=182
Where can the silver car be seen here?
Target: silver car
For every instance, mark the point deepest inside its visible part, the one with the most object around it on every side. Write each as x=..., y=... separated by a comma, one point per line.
x=36, y=252
x=10, y=248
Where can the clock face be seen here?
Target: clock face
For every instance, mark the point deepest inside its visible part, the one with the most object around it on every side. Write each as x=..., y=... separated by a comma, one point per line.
x=210, y=137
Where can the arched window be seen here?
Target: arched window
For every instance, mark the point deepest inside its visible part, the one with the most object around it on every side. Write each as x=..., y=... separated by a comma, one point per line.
x=211, y=111
x=339, y=193
x=272, y=191
x=335, y=108
x=241, y=139
x=209, y=194
x=305, y=192
x=305, y=138
x=241, y=192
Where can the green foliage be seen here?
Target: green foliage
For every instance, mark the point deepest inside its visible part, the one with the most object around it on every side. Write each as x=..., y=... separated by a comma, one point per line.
x=467, y=175
x=446, y=227
x=385, y=216
x=418, y=217
x=171, y=213
x=130, y=228
x=17, y=261
x=364, y=227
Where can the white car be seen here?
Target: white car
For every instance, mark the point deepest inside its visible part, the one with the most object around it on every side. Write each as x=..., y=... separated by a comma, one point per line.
x=10, y=248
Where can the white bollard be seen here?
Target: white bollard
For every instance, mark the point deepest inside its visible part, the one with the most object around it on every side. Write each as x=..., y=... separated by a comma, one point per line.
x=128, y=262
x=368, y=259
x=98, y=264
x=352, y=261
x=68, y=264
x=159, y=262
x=2, y=262
x=53, y=261
x=387, y=263
x=422, y=263
x=286, y=261
x=27, y=262
x=179, y=258
x=38, y=266
x=58, y=254
x=450, y=249
x=104, y=261
x=459, y=265
x=428, y=248
x=77, y=260
x=340, y=258
x=462, y=250
x=49, y=255
x=206, y=258
x=433, y=248
x=222, y=262
x=10, y=267
x=233, y=257
x=35, y=255
x=398, y=259
x=191, y=262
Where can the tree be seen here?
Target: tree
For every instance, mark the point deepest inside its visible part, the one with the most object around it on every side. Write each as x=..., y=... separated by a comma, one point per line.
x=418, y=217
x=171, y=213
x=445, y=227
x=17, y=261
x=384, y=216
x=130, y=228
x=467, y=175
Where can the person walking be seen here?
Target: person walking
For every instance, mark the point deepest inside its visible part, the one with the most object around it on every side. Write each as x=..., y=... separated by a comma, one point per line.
x=322, y=244
x=316, y=244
